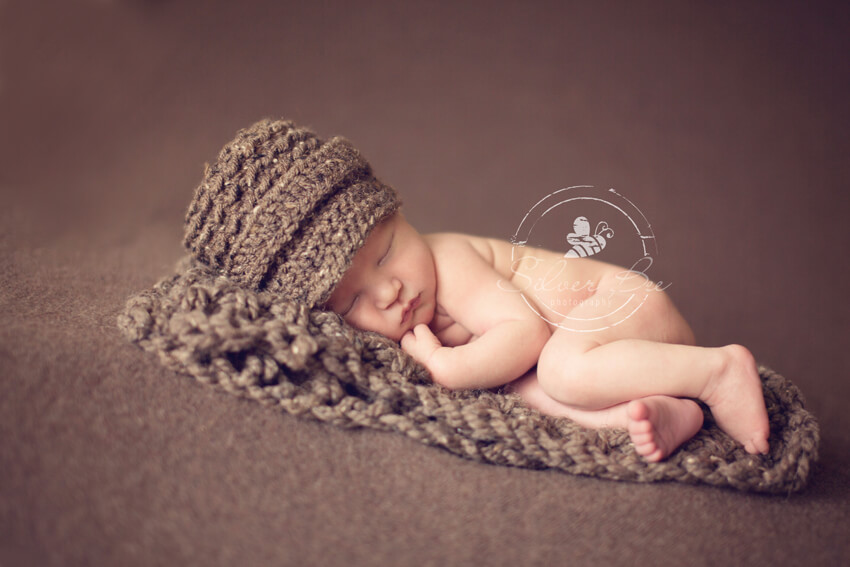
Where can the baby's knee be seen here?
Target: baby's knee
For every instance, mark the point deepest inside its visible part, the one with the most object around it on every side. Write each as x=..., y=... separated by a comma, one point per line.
x=566, y=378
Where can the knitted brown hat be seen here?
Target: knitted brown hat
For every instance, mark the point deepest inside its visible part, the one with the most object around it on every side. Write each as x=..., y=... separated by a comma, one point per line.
x=283, y=211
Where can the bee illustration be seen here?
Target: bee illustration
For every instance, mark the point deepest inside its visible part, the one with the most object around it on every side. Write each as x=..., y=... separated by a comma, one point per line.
x=583, y=243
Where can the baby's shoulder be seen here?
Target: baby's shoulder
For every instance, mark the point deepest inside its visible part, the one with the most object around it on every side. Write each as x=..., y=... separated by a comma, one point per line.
x=453, y=248
x=446, y=245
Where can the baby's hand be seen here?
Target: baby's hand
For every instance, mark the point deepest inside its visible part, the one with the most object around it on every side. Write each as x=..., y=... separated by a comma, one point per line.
x=420, y=343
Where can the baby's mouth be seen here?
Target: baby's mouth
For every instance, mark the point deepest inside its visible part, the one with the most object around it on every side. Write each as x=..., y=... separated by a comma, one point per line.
x=408, y=311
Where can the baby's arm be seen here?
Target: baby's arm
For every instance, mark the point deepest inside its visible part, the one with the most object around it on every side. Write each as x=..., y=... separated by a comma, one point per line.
x=510, y=335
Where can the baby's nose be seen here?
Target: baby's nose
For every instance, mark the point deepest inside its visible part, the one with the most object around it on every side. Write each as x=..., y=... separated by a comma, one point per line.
x=388, y=292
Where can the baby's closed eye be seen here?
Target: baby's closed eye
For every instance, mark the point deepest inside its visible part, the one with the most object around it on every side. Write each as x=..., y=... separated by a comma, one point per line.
x=350, y=306
x=386, y=254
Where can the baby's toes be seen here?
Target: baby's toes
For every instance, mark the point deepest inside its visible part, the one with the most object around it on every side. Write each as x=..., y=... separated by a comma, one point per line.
x=655, y=456
x=642, y=438
x=758, y=446
x=646, y=449
x=640, y=427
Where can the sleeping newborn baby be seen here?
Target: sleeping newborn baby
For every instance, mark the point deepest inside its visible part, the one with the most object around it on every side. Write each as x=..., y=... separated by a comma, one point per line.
x=283, y=211
x=456, y=304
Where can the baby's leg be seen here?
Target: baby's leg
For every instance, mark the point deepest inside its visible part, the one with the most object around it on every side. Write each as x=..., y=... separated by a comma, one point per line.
x=657, y=425
x=528, y=388
x=627, y=362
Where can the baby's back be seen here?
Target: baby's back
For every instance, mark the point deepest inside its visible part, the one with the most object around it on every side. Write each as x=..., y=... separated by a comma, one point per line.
x=545, y=277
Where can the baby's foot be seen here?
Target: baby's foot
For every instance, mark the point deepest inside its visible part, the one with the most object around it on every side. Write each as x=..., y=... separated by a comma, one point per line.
x=737, y=402
x=659, y=424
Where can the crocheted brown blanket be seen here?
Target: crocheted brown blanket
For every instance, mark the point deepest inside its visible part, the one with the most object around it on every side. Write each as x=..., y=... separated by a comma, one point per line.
x=311, y=364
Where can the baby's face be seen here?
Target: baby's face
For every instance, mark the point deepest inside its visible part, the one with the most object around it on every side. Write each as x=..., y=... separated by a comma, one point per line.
x=391, y=285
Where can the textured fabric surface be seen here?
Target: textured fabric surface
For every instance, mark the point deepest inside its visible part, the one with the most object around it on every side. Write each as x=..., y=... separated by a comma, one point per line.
x=310, y=363
x=282, y=210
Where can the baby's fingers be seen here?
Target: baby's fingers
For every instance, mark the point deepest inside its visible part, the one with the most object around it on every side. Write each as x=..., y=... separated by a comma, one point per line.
x=420, y=343
x=423, y=332
x=412, y=339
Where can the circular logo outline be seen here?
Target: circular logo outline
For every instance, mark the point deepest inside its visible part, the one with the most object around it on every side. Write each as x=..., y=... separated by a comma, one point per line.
x=545, y=206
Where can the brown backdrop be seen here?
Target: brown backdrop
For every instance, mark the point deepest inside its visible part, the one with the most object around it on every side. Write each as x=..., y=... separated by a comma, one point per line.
x=726, y=126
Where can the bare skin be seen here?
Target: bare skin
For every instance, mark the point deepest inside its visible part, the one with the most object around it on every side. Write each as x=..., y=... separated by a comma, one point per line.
x=657, y=425
x=580, y=338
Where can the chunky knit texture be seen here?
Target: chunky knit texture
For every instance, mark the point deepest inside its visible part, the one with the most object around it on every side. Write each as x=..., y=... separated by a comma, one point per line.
x=284, y=211
x=310, y=363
